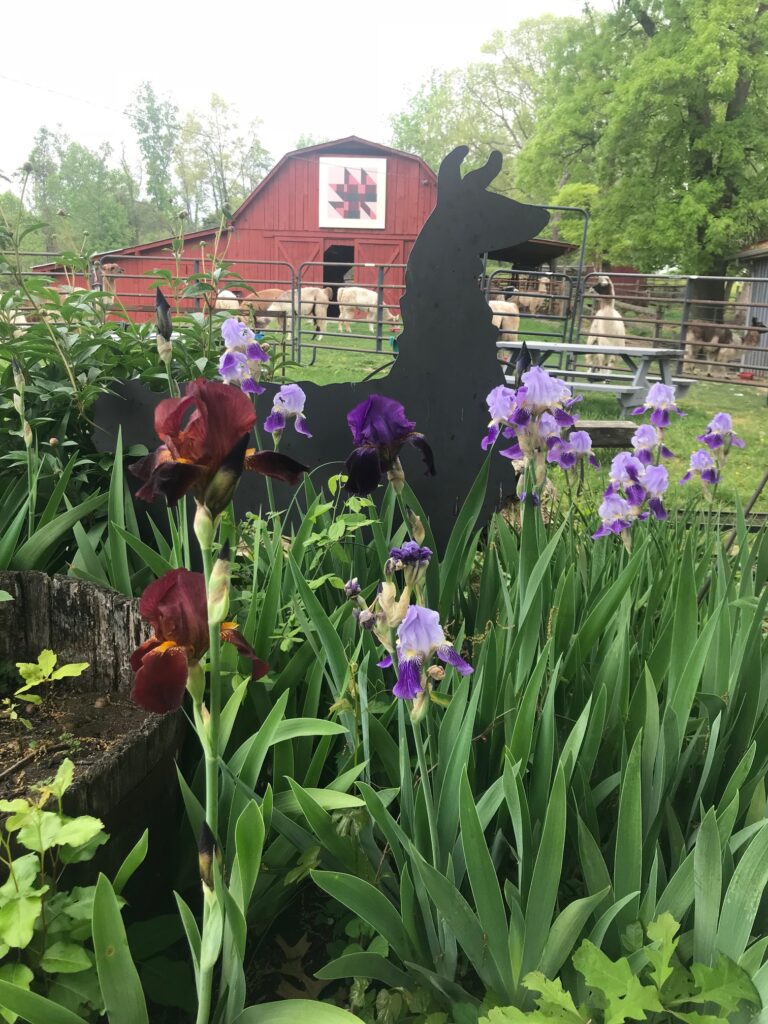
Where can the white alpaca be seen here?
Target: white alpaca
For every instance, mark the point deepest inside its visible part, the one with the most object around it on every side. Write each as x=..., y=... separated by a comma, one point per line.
x=506, y=317
x=607, y=326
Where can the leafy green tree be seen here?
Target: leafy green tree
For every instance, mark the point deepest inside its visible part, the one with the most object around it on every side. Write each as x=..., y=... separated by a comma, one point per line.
x=490, y=104
x=216, y=164
x=660, y=104
x=156, y=124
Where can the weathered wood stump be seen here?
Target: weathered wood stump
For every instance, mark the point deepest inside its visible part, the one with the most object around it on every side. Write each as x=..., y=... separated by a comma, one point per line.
x=129, y=782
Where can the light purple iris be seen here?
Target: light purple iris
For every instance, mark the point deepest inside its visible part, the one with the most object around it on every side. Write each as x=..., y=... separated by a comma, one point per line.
x=419, y=637
x=236, y=334
x=702, y=464
x=288, y=404
x=501, y=406
x=646, y=440
x=540, y=392
x=380, y=428
x=235, y=368
x=720, y=433
x=615, y=515
x=561, y=452
x=655, y=480
x=581, y=443
x=625, y=471
x=661, y=399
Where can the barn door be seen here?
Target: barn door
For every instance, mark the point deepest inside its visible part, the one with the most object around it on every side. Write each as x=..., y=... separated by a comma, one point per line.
x=302, y=250
x=382, y=254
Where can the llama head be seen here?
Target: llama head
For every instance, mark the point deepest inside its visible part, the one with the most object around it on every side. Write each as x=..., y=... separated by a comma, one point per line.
x=759, y=325
x=472, y=220
x=602, y=286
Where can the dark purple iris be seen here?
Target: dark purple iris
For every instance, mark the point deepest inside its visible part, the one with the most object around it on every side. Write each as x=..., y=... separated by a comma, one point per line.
x=380, y=428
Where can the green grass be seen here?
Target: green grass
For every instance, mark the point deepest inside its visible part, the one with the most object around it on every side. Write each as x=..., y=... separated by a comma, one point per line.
x=746, y=404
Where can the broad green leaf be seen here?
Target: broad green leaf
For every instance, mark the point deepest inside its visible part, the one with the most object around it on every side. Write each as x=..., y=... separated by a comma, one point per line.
x=743, y=896
x=370, y=904
x=75, y=669
x=78, y=831
x=626, y=997
x=118, y=977
x=328, y=799
x=32, y=553
x=707, y=884
x=364, y=965
x=484, y=883
x=296, y=1011
x=17, y=921
x=20, y=976
x=34, y=1008
x=65, y=958
x=662, y=932
x=628, y=860
x=552, y=998
x=133, y=860
x=566, y=931
x=545, y=881
x=726, y=984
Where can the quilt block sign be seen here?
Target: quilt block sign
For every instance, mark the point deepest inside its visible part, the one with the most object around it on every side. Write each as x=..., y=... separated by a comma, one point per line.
x=352, y=192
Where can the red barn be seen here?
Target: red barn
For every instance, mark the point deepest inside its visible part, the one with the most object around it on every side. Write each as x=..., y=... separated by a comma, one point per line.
x=341, y=208
x=345, y=210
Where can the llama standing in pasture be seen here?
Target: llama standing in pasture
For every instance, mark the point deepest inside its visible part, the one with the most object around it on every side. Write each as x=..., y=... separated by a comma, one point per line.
x=506, y=317
x=607, y=325
x=357, y=303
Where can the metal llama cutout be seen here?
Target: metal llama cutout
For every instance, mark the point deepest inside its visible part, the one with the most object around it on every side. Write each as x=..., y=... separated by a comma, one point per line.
x=446, y=364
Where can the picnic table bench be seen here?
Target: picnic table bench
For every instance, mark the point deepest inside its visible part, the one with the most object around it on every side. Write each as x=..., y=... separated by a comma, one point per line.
x=628, y=385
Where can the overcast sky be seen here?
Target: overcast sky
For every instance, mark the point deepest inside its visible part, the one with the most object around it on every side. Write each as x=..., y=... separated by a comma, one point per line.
x=297, y=66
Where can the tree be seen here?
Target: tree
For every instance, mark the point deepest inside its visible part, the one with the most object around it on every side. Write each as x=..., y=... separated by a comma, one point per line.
x=216, y=166
x=83, y=201
x=660, y=104
x=156, y=123
x=490, y=104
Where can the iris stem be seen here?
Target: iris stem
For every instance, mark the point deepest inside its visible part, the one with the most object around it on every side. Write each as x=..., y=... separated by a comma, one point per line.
x=270, y=491
x=427, y=788
x=210, y=746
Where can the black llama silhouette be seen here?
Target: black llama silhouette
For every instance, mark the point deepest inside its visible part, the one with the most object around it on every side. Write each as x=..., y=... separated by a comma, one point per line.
x=446, y=365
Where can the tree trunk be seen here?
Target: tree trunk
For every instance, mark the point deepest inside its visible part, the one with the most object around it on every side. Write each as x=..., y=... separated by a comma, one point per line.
x=704, y=293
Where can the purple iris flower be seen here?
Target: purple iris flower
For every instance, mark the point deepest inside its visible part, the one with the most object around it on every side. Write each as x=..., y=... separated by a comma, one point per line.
x=411, y=553
x=236, y=334
x=615, y=515
x=646, y=440
x=540, y=392
x=288, y=404
x=704, y=465
x=661, y=399
x=501, y=406
x=235, y=368
x=720, y=433
x=581, y=443
x=380, y=428
x=548, y=427
x=625, y=471
x=655, y=480
x=562, y=453
x=419, y=637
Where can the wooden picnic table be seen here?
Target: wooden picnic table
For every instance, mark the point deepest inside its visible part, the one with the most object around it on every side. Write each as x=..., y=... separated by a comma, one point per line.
x=628, y=384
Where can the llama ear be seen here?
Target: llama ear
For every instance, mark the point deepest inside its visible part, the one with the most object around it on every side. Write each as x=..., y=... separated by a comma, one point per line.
x=450, y=168
x=483, y=176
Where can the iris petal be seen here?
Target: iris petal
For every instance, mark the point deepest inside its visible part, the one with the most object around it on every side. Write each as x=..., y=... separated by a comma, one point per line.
x=408, y=685
x=160, y=682
x=363, y=472
x=450, y=656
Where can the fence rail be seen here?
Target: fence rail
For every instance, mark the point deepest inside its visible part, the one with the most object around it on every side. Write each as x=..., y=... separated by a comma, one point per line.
x=722, y=339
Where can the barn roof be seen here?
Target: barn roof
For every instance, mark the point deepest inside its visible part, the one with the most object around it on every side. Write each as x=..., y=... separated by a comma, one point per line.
x=351, y=145
x=756, y=251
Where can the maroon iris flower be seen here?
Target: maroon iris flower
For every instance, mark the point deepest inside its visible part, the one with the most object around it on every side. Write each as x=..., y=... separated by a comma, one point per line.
x=380, y=428
x=205, y=437
x=177, y=609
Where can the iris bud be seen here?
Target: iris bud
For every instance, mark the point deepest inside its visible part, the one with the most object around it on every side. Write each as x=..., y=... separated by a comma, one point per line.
x=27, y=431
x=196, y=682
x=218, y=587
x=396, y=476
x=203, y=526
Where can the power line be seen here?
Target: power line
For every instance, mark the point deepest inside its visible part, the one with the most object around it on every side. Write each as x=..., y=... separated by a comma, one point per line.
x=63, y=95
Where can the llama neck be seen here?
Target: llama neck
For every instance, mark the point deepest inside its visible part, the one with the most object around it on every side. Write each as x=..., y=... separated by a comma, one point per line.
x=604, y=303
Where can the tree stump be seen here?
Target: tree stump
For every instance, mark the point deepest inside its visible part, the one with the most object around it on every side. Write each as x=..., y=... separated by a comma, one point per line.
x=128, y=776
